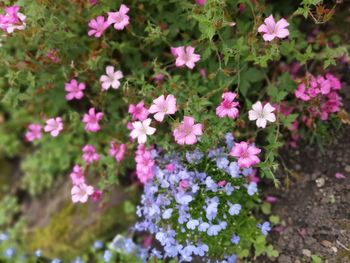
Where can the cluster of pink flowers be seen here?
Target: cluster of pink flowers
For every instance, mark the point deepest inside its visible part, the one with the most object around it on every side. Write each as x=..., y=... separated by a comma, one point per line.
x=118, y=19
x=144, y=164
x=117, y=150
x=12, y=19
x=323, y=91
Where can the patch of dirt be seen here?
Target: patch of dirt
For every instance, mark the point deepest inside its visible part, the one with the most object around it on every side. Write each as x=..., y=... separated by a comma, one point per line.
x=315, y=209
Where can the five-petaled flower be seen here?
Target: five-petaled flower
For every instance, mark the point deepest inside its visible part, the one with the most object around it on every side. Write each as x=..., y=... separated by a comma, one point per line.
x=111, y=79
x=117, y=150
x=163, y=106
x=246, y=154
x=80, y=193
x=74, y=90
x=33, y=132
x=141, y=129
x=138, y=111
x=228, y=107
x=77, y=175
x=98, y=26
x=271, y=29
x=187, y=131
x=120, y=19
x=89, y=154
x=91, y=120
x=262, y=114
x=185, y=56
x=54, y=126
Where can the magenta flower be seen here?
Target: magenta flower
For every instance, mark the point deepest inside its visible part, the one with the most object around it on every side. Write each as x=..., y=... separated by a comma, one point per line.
x=138, y=111
x=74, y=90
x=300, y=93
x=91, y=120
x=97, y=26
x=53, y=56
x=120, y=19
x=54, y=126
x=77, y=175
x=80, y=193
x=228, y=107
x=33, y=132
x=271, y=29
x=200, y=2
x=93, y=2
x=246, y=154
x=187, y=131
x=117, y=150
x=163, y=106
x=185, y=56
x=97, y=195
x=89, y=154
x=111, y=79
x=12, y=20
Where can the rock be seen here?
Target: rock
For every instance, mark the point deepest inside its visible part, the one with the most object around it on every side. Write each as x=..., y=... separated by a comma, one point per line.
x=320, y=182
x=347, y=168
x=326, y=243
x=297, y=261
x=284, y=259
x=306, y=252
x=334, y=249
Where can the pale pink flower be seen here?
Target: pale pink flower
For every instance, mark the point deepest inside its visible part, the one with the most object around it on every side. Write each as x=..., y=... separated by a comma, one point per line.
x=163, y=106
x=33, y=132
x=187, y=131
x=262, y=114
x=89, y=154
x=120, y=19
x=91, y=120
x=271, y=29
x=98, y=26
x=185, y=56
x=54, y=126
x=138, y=111
x=77, y=175
x=246, y=154
x=339, y=176
x=141, y=130
x=117, y=150
x=80, y=193
x=74, y=89
x=111, y=79
x=228, y=107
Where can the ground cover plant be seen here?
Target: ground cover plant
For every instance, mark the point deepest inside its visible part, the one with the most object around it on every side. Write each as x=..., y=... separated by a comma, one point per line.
x=158, y=119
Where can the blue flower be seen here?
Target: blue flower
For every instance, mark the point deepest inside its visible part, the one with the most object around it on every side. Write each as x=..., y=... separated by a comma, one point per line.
x=228, y=189
x=229, y=140
x=3, y=237
x=212, y=209
x=183, y=199
x=38, y=253
x=234, y=209
x=203, y=227
x=192, y=224
x=78, y=260
x=247, y=171
x=156, y=253
x=167, y=213
x=10, y=252
x=214, y=230
x=194, y=157
x=98, y=244
x=107, y=255
x=201, y=249
x=232, y=259
x=233, y=170
x=210, y=184
x=252, y=188
x=265, y=227
x=222, y=163
x=235, y=239
x=56, y=260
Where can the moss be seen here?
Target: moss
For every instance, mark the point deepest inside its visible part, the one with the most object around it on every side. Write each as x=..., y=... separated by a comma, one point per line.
x=73, y=229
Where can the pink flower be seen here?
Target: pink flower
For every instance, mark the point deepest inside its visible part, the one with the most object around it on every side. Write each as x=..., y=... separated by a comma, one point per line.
x=89, y=154
x=93, y=2
x=144, y=164
x=335, y=82
x=120, y=19
x=271, y=29
x=53, y=56
x=33, y=132
x=117, y=151
x=300, y=93
x=339, y=176
x=80, y=193
x=12, y=20
x=54, y=126
x=246, y=154
x=74, y=90
x=98, y=26
x=77, y=175
x=163, y=106
x=97, y=195
x=261, y=114
x=228, y=107
x=222, y=183
x=200, y=2
x=170, y=167
x=203, y=73
x=138, y=111
x=271, y=199
x=91, y=120
x=184, y=184
x=111, y=79
x=187, y=131
x=185, y=56
x=141, y=130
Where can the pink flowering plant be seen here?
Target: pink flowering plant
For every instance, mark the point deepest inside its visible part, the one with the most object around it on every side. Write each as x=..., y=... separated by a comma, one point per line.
x=142, y=93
